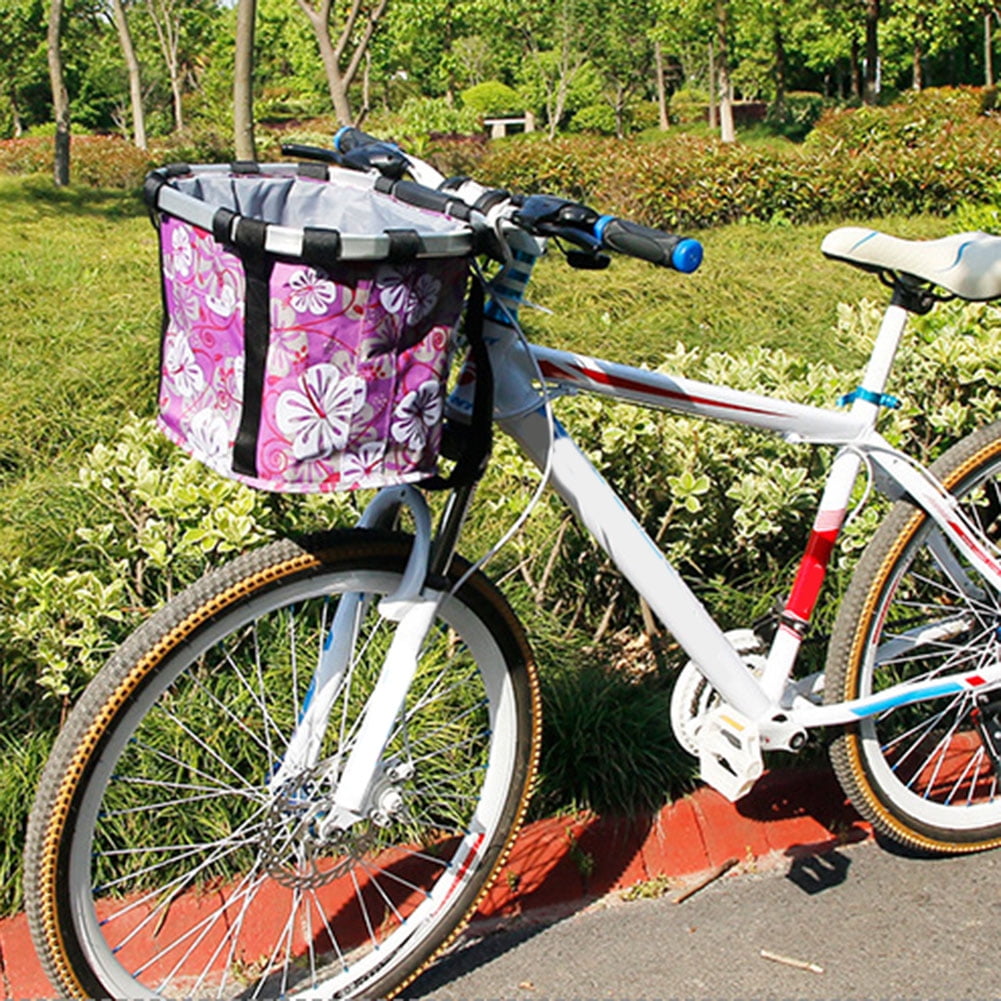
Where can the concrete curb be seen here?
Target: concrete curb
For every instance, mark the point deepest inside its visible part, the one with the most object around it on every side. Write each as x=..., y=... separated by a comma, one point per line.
x=566, y=862
x=561, y=862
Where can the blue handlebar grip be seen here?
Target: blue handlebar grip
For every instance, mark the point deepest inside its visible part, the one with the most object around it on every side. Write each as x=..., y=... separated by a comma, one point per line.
x=687, y=256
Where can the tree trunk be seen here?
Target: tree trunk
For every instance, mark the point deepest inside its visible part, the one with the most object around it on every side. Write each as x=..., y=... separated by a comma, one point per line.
x=135, y=79
x=366, y=89
x=713, y=83
x=781, y=71
x=168, y=30
x=658, y=61
x=726, y=129
x=338, y=79
x=335, y=80
x=871, y=94
x=620, y=111
x=856, y=72
x=243, y=81
x=917, y=73
x=15, y=111
x=988, y=51
x=319, y=18
x=175, y=89
x=60, y=98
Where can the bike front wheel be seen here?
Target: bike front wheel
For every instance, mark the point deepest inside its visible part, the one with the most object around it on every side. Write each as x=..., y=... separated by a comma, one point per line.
x=161, y=861
x=926, y=773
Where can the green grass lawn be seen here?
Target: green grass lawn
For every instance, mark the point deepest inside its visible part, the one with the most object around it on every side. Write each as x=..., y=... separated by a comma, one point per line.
x=759, y=285
x=79, y=316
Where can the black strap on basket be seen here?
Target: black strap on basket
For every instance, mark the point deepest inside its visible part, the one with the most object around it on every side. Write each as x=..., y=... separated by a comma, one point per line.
x=257, y=265
x=471, y=460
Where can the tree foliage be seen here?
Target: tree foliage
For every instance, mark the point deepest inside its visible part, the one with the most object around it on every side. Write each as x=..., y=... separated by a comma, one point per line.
x=571, y=63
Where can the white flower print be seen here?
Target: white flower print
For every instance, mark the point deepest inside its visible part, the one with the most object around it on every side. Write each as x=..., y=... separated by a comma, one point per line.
x=186, y=304
x=316, y=418
x=416, y=414
x=358, y=467
x=311, y=293
x=227, y=380
x=423, y=298
x=288, y=344
x=380, y=341
x=181, y=371
x=181, y=252
x=208, y=436
x=409, y=295
x=227, y=299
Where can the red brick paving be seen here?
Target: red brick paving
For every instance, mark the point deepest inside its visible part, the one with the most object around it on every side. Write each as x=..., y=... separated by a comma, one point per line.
x=566, y=861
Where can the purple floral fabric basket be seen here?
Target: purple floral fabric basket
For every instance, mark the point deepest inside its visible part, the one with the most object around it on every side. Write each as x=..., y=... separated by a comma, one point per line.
x=305, y=371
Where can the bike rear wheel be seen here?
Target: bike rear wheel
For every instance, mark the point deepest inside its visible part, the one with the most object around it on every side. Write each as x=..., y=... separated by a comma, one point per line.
x=159, y=863
x=925, y=773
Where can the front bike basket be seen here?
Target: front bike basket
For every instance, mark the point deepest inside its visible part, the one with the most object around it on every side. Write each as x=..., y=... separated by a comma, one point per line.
x=308, y=324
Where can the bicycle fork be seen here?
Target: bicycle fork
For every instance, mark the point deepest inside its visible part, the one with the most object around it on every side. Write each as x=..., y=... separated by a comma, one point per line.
x=359, y=793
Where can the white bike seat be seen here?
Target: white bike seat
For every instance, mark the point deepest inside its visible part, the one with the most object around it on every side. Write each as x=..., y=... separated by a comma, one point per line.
x=966, y=264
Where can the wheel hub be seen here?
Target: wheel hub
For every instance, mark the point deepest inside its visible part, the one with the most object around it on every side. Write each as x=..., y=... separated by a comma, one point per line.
x=298, y=849
x=307, y=842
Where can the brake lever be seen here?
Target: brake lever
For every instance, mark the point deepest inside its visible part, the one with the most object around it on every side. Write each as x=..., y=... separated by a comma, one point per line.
x=587, y=260
x=548, y=215
x=387, y=159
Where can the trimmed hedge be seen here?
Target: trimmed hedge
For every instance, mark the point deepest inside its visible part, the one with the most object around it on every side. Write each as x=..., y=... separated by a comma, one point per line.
x=930, y=153
x=98, y=161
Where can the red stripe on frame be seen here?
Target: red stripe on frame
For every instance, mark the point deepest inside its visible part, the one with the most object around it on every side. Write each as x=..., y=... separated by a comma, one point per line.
x=811, y=573
x=577, y=370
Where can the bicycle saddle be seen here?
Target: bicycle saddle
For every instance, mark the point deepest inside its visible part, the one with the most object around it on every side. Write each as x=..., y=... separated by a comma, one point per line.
x=966, y=264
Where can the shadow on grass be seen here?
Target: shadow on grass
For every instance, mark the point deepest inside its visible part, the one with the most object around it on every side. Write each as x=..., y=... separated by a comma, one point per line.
x=34, y=197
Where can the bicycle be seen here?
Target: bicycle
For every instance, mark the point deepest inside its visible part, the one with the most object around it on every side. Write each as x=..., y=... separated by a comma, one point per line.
x=383, y=696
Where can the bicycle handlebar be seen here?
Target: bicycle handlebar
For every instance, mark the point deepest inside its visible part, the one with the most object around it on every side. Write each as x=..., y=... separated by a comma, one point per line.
x=666, y=249
x=540, y=215
x=546, y=215
x=348, y=138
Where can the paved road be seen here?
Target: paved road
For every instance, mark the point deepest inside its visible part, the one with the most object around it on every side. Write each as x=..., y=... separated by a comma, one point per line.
x=878, y=924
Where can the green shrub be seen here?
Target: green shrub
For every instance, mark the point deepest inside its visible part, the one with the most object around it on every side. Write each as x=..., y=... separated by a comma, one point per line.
x=419, y=119
x=930, y=153
x=643, y=115
x=198, y=143
x=492, y=98
x=21, y=761
x=688, y=105
x=800, y=113
x=150, y=522
x=607, y=744
x=98, y=161
x=598, y=118
x=855, y=164
x=933, y=117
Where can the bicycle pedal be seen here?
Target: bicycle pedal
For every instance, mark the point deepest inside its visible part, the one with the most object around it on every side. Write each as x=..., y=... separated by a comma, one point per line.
x=729, y=752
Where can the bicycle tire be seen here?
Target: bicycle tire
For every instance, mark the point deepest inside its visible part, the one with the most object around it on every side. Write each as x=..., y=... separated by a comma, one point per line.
x=923, y=774
x=157, y=862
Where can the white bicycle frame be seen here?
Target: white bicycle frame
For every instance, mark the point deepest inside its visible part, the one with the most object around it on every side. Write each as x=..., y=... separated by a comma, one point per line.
x=771, y=712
